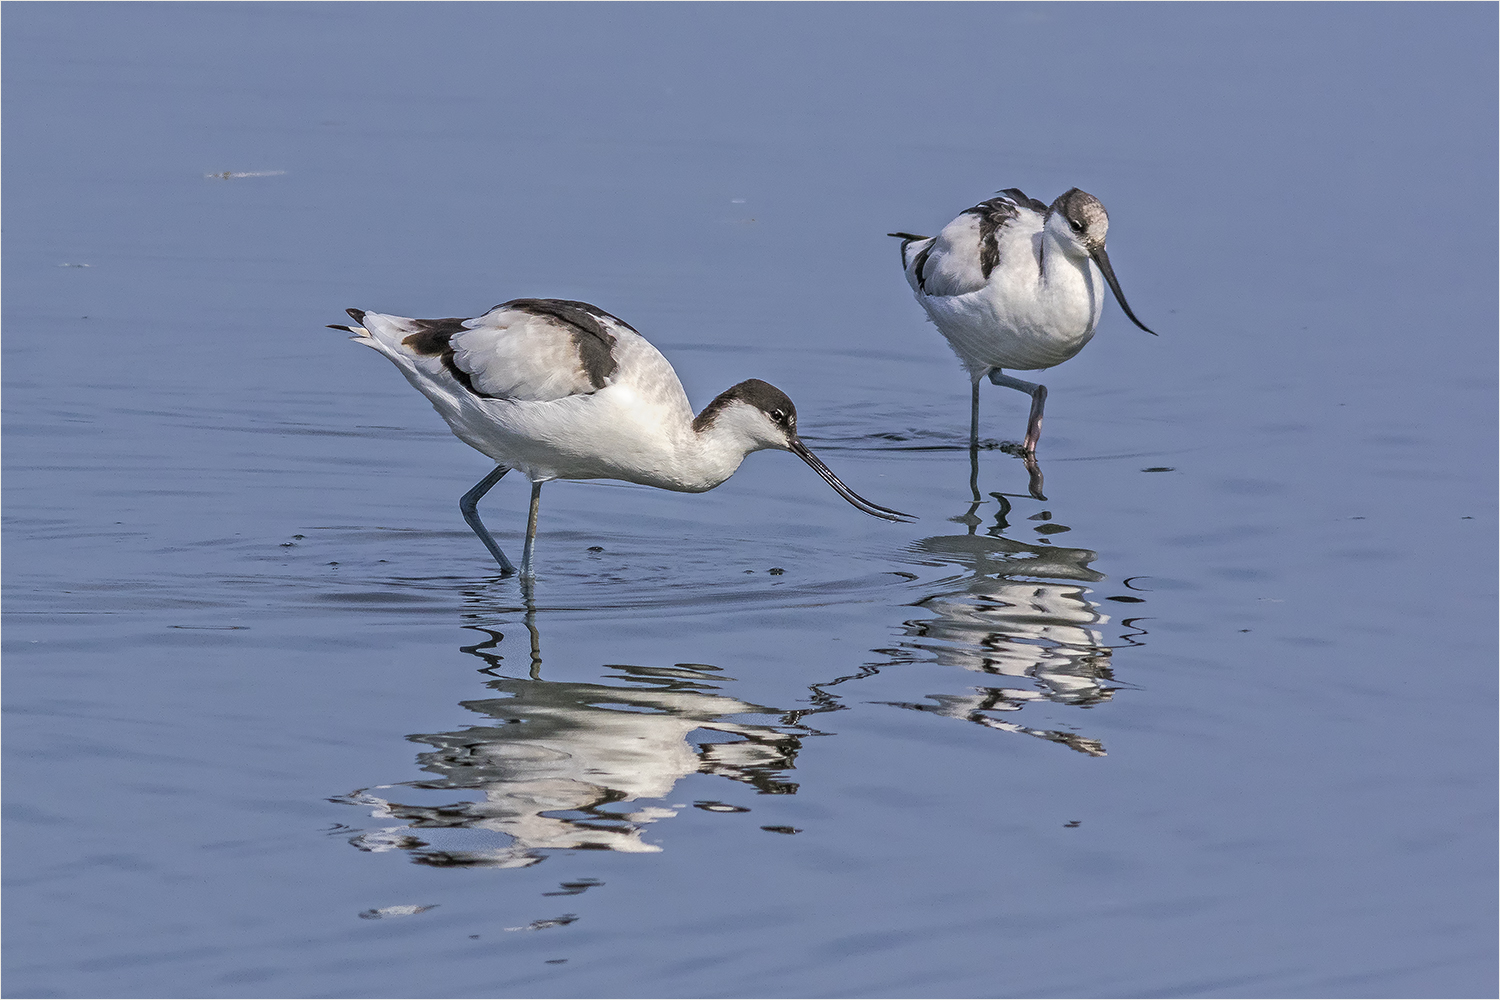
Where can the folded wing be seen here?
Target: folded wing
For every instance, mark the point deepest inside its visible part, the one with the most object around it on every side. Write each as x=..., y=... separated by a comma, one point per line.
x=528, y=349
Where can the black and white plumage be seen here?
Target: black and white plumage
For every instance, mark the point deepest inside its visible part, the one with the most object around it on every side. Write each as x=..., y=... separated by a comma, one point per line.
x=1013, y=283
x=563, y=390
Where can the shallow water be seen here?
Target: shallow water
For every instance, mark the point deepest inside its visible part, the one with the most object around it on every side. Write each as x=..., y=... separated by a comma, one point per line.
x=1216, y=718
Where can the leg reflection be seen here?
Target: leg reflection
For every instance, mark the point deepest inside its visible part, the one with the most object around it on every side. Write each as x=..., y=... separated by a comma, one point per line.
x=565, y=765
x=1019, y=610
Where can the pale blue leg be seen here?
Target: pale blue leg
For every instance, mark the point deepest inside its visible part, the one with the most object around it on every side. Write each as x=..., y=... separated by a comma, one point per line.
x=974, y=414
x=974, y=440
x=1038, y=395
x=469, y=505
x=528, y=572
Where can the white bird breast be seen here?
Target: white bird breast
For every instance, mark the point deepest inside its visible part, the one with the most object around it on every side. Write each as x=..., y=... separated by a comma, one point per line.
x=1009, y=325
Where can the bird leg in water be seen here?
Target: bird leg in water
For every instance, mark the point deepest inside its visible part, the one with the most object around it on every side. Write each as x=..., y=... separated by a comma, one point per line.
x=1035, y=470
x=1038, y=401
x=469, y=505
x=527, y=571
x=974, y=443
x=974, y=418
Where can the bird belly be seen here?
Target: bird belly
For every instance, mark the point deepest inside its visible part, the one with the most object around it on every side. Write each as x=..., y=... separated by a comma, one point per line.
x=589, y=436
x=986, y=333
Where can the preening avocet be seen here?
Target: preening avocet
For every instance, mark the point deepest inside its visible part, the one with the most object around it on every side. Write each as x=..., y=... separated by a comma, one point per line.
x=563, y=390
x=1015, y=283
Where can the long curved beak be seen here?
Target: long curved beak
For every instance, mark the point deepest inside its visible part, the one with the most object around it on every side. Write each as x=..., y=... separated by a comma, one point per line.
x=1102, y=259
x=800, y=450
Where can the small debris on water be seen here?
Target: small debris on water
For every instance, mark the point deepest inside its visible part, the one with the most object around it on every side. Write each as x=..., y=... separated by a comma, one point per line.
x=781, y=829
x=226, y=175
x=395, y=911
x=776, y=571
x=541, y=925
x=1160, y=468
x=1072, y=824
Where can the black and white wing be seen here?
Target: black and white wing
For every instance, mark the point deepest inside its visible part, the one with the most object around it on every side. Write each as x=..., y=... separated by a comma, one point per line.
x=527, y=349
x=539, y=349
x=959, y=259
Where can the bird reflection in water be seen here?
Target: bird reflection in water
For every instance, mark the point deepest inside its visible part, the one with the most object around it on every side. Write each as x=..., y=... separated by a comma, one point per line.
x=1021, y=610
x=562, y=765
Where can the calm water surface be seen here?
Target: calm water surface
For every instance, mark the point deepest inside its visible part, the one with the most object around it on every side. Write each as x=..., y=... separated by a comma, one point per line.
x=1216, y=718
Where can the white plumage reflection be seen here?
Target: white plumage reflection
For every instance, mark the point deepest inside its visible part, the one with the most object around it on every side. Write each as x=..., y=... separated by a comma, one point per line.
x=563, y=390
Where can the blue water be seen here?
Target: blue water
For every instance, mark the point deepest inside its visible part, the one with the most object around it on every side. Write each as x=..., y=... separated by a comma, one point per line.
x=1217, y=718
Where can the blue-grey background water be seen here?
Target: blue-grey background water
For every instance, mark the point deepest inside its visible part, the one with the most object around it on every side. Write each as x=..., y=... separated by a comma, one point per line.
x=1217, y=718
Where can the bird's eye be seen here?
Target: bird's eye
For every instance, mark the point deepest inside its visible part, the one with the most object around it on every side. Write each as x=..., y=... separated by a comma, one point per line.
x=1077, y=226
x=778, y=416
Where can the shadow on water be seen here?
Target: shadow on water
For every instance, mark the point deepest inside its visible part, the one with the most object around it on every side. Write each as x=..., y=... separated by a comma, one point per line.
x=1020, y=610
x=556, y=765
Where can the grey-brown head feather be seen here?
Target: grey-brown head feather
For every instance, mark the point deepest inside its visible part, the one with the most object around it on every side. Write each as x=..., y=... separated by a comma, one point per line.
x=1084, y=213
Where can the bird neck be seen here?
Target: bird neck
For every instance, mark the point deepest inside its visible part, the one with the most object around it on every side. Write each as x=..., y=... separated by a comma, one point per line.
x=1065, y=277
x=711, y=457
x=715, y=447
x=1056, y=262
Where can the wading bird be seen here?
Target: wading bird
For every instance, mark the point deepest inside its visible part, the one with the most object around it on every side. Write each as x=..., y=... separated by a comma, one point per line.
x=563, y=390
x=1015, y=283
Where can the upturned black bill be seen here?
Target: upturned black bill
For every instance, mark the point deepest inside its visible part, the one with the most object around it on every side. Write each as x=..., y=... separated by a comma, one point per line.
x=800, y=450
x=1102, y=259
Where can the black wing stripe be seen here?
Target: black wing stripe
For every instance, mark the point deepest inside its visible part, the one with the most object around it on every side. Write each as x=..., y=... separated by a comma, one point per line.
x=921, y=263
x=593, y=340
x=1020, y=198
x=993, y=215
x=434, y=337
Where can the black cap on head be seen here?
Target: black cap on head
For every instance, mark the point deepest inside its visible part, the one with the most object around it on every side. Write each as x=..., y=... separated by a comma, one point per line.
x=762, y=395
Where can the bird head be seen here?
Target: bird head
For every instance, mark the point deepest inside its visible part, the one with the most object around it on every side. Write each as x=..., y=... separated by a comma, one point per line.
x=757, y=415
x=1079, y=224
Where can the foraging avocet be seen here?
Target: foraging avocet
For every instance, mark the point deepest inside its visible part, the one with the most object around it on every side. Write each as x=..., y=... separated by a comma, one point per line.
x=1015, y=283
x=563, y=390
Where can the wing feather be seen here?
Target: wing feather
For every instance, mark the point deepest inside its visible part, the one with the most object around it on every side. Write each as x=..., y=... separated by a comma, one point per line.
x=959, y=259
x=538, y=349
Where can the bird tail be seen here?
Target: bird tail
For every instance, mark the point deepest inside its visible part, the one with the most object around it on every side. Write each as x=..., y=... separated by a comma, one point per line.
x=907, y=239
x=360, y=333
